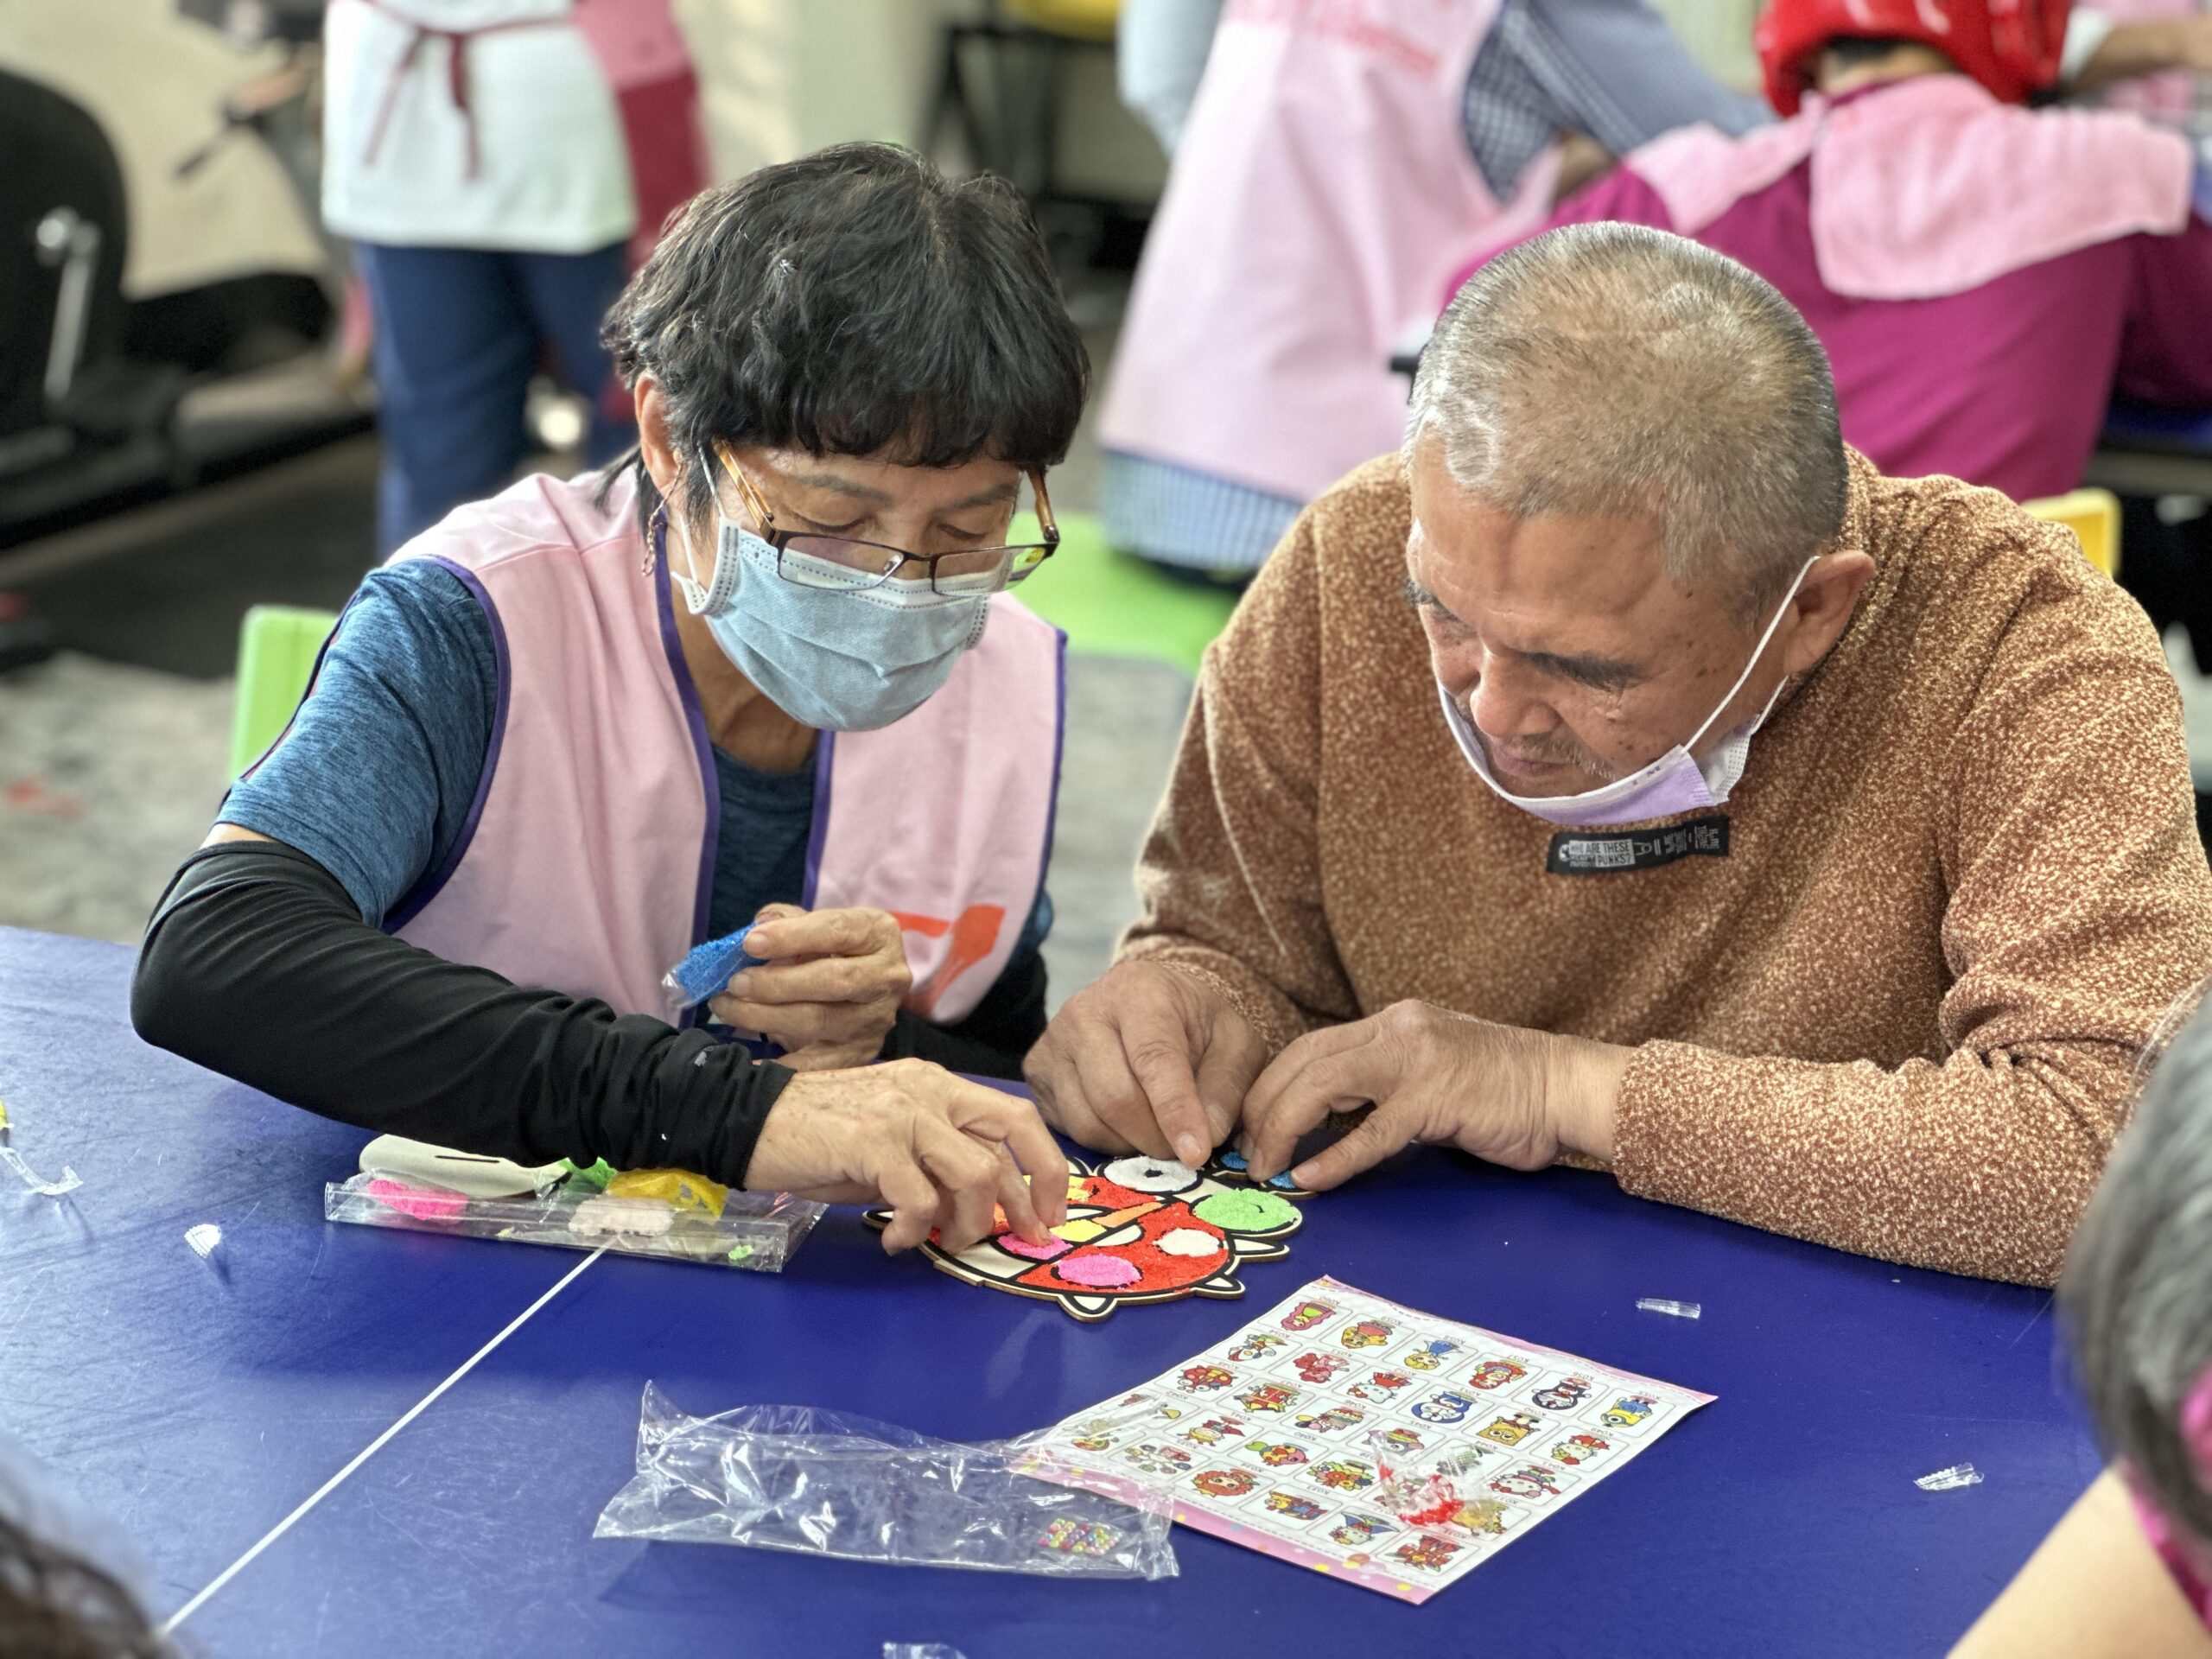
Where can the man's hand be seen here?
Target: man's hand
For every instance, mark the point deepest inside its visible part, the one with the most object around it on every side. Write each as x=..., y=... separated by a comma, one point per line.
x=1516, y=1097
x=944, y=1154
x=1147, y=1059
x=828, y=988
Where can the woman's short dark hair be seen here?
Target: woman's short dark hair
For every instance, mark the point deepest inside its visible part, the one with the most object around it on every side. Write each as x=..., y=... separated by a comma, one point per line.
x=856, y=302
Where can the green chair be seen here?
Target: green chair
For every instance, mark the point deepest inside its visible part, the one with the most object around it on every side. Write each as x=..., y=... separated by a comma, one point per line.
x=277, y=647
x=1111, y=605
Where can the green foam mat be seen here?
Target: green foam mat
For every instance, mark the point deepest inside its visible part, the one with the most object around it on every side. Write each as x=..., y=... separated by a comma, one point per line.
x=1110, y=604
x=277, y=646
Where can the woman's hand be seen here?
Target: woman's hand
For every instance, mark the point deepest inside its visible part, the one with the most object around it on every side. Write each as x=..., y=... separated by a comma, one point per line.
x=944, y=1154
x=828, y=989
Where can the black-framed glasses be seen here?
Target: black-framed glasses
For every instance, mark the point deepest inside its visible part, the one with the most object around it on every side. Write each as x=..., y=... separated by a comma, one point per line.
x=855, y=566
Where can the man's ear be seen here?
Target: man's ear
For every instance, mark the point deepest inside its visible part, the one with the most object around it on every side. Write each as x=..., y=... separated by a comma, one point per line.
x=1823, y=605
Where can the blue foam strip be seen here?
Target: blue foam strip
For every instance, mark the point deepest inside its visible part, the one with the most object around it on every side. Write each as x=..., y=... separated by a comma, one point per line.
x=710, y=966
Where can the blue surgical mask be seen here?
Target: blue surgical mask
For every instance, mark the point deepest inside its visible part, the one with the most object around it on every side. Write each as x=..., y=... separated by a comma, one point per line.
x=835, y=658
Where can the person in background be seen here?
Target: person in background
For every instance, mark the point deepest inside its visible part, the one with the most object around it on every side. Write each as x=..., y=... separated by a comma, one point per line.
x=499, y=166
x=1628, y=772
x=1983, y=275
x=2128, y=1572
x=761, y=679
x=1331, y=173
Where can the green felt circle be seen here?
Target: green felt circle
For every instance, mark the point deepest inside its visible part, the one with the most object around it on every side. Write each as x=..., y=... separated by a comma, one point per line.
x=1243, y=1211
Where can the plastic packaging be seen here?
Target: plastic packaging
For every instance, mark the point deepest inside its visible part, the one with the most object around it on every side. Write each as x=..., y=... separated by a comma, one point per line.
x=1661, y=1305
x=1950, y=1479
x=205, y=1239
x=822, y=1483
x=14, y=1160
x=760, y=1232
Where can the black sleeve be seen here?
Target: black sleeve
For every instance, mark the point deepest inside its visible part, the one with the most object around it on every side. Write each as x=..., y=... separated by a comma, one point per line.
x=988, y=1043
x=256, y=965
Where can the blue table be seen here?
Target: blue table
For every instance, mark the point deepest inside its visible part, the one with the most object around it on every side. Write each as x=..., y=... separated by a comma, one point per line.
x=196, y=1403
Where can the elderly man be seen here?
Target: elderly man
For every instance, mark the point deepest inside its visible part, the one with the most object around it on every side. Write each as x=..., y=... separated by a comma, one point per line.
x=1631, y=774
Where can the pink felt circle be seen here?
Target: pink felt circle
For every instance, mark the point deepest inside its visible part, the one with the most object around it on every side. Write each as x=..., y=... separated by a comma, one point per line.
x=1014, y=1244
x=1098, y=1272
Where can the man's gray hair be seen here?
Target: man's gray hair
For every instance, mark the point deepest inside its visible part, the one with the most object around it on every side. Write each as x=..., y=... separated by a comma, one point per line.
x=1616, y=371
x=2136, y=1293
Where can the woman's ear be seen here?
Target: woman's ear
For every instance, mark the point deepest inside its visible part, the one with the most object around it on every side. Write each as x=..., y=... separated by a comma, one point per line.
x=663, y=465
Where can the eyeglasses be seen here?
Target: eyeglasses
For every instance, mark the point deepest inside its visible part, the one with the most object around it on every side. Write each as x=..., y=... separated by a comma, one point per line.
x=846, y=563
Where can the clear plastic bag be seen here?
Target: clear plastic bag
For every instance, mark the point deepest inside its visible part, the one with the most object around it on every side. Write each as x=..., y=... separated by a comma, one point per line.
x=825, y=1484
x=757, y=1230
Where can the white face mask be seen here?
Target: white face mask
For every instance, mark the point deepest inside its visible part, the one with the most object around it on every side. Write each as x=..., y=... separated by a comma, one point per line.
x=1677, y=782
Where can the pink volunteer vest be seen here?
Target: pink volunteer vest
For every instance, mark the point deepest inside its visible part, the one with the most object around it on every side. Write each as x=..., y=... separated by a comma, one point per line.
x=1321, y=196
x=1932, y=185
x=586, y=865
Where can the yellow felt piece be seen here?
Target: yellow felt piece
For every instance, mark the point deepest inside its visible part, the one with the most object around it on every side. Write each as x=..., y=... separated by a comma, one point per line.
x=1081, y=1230
x=678, y=1188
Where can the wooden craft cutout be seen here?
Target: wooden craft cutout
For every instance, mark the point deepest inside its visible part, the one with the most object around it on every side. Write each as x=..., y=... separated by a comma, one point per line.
x=1139, y=1229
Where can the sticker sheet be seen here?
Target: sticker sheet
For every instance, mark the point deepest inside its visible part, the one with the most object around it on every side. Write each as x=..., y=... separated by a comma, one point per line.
x=1349, y=1434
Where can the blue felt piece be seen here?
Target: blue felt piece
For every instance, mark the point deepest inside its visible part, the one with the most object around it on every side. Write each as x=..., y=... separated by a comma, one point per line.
x=711, y=966
x=1232, y=1159
x=195, y=1403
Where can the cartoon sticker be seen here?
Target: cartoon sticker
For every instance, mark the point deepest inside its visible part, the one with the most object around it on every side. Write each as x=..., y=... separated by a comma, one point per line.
x=1269, y=1396
x=1155, y=1459
x=1512, y=1430
x=1255, y=1346
x=1320, y=1368
x=1292, y=1505
x=1428, y=1356
x=1531, y=1480
x=1426, y=1554
x=1445, y=1406
x=1496, y=1374
x=1214, y=1430
x=1307, y=1315
x=1224, y=1483
x=1379, y=1386
x=1630, y=1411
x=1344, y=1474
x=1367, y=1333
x=1333, y=1421
x=1355, y=1530
x=1564, y=1394
x=1580, y=1448
x=1204, y=1379
x=1277, y=1454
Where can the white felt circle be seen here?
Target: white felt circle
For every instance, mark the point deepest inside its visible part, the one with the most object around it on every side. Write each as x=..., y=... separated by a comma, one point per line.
x=1150, y=1174
x=1188, y=1240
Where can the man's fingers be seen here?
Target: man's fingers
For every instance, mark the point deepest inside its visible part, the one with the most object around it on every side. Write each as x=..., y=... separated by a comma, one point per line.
x=1117, y=1100
x=1381, y=1132
x=1308, y=1080
x=822, y=932
x=1233, y=1057
x=1159, y=1056
x=912, y=1198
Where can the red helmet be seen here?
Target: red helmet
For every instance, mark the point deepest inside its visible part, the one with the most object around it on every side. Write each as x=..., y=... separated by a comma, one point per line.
x=2011, y=47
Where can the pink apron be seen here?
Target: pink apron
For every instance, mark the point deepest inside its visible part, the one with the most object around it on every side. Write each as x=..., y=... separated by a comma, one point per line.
x=1321, y=193
x=586, y=864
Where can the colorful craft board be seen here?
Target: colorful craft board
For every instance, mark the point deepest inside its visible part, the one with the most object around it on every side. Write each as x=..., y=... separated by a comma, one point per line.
x=1383, y=1445
x=1139, y=1229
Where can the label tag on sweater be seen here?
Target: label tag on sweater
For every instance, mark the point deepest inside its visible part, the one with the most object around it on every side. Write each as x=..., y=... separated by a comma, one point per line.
x=1603, y=852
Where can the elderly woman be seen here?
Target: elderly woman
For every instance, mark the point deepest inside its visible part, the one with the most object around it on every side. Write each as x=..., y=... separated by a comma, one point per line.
x=763, y=675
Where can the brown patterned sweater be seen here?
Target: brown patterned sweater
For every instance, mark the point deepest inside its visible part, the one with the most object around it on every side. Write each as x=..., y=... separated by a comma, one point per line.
x=1898, y=1018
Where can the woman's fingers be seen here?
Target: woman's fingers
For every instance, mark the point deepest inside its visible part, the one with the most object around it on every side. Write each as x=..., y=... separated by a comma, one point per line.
x=824, y=933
